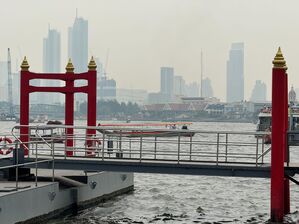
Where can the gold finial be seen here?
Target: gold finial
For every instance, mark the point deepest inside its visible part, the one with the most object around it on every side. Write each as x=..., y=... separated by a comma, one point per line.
x=25, y=66
x=69, y=67
x=279, y=61
x=92, y=66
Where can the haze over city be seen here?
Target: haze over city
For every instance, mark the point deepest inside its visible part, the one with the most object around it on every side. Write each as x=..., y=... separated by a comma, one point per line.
x=143, y=35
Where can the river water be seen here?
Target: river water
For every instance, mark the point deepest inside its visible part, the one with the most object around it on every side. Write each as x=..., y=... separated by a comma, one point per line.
x=187, y=199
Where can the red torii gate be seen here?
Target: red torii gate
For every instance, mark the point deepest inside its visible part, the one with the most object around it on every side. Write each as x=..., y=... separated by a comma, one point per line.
x=69, y=90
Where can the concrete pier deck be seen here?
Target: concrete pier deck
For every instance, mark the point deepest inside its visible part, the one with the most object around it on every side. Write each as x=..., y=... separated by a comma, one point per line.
x=70, y=192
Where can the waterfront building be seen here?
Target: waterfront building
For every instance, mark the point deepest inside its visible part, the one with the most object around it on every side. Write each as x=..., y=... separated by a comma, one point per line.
x=207, y=90
x=167, y=82
x=51, y=64
x=259, y=92
x=138, y=96
x=235, y=73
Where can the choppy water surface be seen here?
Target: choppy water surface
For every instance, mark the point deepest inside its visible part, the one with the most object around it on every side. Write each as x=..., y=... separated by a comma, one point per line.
x=163, y=199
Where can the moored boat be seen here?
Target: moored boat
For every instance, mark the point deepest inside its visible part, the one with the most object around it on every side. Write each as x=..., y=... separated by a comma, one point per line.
x=170, y=129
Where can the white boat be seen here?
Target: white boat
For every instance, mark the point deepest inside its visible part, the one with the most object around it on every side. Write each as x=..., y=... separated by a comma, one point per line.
x=265, y=121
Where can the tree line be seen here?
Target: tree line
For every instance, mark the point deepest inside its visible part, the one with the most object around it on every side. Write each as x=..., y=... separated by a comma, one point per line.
x=112, y=108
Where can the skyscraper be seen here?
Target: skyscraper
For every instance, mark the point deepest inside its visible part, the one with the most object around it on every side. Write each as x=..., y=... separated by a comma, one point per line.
x=78, y=50
x=259, y=92
x=51, y=64
x=235, y=73
x=179, y=86
x=207, y=90
x=51, y=52
x=78, y=44
x=167, y=82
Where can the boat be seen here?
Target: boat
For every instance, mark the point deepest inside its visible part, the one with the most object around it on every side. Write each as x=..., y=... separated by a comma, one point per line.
x=141, y=129
x=265, y=122
x=47, y=133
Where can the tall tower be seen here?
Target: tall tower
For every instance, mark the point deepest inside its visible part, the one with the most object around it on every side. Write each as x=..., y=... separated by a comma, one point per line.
x=78, y=48
x=78, y=44
x=51, y=64
x=235, y=73
x=167, y=83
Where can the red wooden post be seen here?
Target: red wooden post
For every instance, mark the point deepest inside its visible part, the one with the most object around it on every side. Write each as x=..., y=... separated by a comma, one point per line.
x=69, y=109
x=24, y=104
x=286, y=180
x=91, y=102
x=278, y=137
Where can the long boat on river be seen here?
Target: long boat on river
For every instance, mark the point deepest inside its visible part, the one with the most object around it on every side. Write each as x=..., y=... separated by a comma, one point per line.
x=170, y=129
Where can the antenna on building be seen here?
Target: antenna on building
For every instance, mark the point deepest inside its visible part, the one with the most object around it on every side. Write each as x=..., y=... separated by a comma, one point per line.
x=201, y=72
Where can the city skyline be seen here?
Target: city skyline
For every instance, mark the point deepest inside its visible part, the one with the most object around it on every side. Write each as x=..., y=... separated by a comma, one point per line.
x=140, y=43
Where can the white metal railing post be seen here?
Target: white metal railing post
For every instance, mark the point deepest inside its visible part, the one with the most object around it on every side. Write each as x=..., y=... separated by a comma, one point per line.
x=179, y=146
x=263, y=149
x=257, y=151
x=140, y=155
x=103, y=150
x=217, y=153
x=226, y=142
x=65, y=143
x=36, y=165
x=190, y=152
x=120, y=144
x=155, y=153
x=53, y=162
x=130, y=147
x=17, y=169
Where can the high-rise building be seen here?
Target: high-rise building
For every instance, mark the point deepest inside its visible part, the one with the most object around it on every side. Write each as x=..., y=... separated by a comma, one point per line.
x=3, y=84
x=259, y=92
x=107, y=89
x=235, y=73
x=167, y=82
x=78, y=44
x=51, y=64
x=179, y=86
x=51, y=52
x=192, y=89
x=207, y=90
x=78, y=50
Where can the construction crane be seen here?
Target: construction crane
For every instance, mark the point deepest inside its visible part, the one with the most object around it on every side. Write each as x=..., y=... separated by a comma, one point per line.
x=9, y=80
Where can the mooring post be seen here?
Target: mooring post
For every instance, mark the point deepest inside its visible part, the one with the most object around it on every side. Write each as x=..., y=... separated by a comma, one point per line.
x=279, y=129
x=69, y=109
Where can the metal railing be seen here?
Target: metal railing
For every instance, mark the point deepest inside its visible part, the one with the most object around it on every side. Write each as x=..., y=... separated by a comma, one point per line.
x=144, y=144
x=10, y=146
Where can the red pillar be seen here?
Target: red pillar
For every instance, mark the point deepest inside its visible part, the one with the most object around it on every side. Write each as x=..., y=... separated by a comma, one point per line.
x=91, y=102
x=278, y=137
x=24, y=104
x=286, y=180
x=69, y=110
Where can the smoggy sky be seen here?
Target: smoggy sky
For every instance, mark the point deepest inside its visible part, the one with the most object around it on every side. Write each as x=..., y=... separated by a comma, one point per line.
x=143, y=35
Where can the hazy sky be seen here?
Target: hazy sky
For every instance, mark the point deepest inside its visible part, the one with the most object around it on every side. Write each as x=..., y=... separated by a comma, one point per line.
x=144, y=35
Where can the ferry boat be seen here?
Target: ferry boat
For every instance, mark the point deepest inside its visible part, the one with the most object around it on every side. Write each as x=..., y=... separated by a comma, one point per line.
x=140, y=131
x=265, y=121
